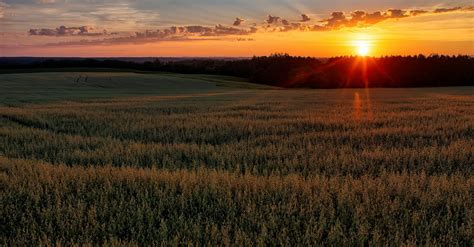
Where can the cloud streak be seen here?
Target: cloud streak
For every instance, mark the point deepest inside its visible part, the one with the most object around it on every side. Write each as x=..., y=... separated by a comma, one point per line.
x=174, y=33
x=66, y=31
x=363, y=19
x=337, y=20
x=446, y=10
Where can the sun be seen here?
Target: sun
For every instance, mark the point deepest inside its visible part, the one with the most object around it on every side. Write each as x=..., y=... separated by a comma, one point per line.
x=363, y=47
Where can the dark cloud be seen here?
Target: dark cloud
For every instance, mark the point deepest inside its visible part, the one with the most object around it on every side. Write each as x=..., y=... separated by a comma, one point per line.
x=374, y=18
x=297, y=26
x=238, y=21
x=305, y=18
x=190, y=31
x=355, y=19
x=220, y=30
x=358, y=15
x=174, y=33
x=66, y=31
x=445, y=10
x=340, y=19
x=363, y=19
x=197, y=29
x=396, y=13
x=337, y=20
x=272, y=19
x=418, y=12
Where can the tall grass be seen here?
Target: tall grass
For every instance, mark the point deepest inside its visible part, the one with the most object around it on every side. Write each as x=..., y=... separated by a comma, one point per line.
x=260, y=133
x=350, y=167
x=45, y=203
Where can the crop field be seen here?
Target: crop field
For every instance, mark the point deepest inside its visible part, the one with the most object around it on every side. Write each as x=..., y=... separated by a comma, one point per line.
x=165, y=159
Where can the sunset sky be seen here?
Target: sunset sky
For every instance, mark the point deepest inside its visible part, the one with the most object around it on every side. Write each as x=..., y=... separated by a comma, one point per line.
x=241, y=28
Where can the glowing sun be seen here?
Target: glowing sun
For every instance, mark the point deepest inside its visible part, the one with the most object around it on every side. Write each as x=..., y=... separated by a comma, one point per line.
x=363, y=47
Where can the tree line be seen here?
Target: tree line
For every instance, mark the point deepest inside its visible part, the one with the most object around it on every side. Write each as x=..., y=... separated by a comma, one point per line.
x=289, y=71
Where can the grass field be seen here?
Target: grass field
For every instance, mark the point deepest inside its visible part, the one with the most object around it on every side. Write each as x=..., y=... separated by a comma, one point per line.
x=140, y=159
x=17, y=89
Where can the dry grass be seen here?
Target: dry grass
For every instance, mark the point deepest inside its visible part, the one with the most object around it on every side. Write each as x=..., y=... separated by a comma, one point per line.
x=46, y=203
x=271, y=132
x=298, y=167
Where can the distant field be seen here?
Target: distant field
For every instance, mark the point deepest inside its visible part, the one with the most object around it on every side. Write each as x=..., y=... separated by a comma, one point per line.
x=27, y=88
x=170, y=159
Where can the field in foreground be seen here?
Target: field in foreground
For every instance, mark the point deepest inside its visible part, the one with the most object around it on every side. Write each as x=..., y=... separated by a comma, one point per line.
x=220, y=165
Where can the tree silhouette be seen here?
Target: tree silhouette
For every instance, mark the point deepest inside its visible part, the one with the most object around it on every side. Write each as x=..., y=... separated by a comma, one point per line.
x=288, y=71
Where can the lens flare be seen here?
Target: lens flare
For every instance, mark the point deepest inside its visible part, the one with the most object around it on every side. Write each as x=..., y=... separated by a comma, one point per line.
x=363, y=47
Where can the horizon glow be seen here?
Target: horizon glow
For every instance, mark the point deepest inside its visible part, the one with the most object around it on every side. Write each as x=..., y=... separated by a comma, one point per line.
x=203, y=28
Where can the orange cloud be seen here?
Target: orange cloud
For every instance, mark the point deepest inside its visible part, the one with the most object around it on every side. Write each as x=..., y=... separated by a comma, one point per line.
x=337, y=20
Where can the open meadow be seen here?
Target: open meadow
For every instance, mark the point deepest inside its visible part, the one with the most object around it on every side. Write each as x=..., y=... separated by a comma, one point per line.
x=141, y=159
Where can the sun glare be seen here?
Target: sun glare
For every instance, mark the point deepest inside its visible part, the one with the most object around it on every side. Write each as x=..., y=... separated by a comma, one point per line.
x=363, y=47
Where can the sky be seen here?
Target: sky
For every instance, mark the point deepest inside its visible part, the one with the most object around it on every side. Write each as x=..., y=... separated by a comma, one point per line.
x=237, y=28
